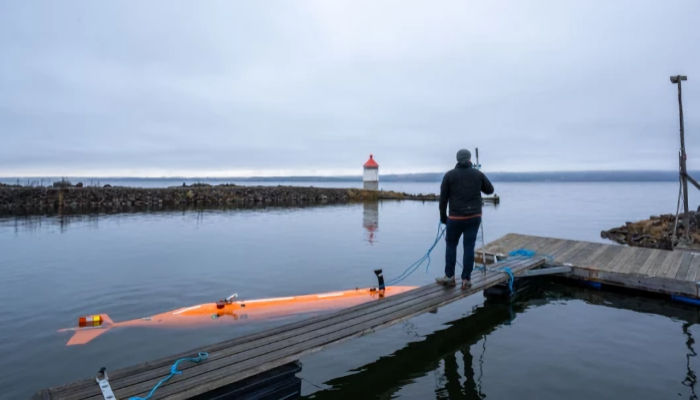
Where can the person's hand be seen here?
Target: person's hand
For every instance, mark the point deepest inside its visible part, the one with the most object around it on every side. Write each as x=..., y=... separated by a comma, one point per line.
x=443, y=219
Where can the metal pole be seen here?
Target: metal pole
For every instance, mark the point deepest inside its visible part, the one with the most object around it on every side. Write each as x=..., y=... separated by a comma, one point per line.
x=684, y=174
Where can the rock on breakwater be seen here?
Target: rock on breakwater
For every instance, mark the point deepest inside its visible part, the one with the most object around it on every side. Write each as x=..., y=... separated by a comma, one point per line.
x=23, y=200
x=656, y=232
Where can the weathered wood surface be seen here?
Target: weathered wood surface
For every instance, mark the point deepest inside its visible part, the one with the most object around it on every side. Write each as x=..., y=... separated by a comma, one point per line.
x=662, y=271
x=240, y=358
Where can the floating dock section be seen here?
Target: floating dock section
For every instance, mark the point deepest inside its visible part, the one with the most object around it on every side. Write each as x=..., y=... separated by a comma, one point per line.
x=250, y=356
x=675, y=273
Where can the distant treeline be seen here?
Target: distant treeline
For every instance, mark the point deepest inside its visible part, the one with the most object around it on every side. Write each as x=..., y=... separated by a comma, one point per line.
x=568, y=176
x=573, y=176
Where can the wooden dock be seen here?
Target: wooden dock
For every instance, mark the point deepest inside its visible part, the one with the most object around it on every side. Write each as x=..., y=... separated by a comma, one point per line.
x=235, y=360
x=674, y=272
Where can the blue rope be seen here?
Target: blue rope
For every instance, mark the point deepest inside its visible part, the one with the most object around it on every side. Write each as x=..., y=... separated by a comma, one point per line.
x=519, y=253
x=511, y=278
x=505, y=270
x=426, y=257
x=201, y=356
x=522, y=252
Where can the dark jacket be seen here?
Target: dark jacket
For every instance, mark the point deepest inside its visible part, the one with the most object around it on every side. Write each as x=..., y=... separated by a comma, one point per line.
x=461, y=188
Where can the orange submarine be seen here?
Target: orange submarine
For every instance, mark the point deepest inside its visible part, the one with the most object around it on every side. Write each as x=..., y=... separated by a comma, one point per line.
x=231, y=310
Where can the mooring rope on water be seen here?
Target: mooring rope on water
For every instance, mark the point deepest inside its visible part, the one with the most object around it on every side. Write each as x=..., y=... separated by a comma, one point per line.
x=426, y=257
x=523, y=253
x=173, y=371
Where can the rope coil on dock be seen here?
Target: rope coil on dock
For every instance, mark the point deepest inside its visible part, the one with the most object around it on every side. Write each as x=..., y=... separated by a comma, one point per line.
x=515, y=254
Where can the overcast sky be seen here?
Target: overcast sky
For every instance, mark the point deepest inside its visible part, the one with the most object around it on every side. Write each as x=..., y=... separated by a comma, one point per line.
x=205, y=88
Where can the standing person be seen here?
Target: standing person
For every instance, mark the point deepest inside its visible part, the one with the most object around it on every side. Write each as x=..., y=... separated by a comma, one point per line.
x=461, y=188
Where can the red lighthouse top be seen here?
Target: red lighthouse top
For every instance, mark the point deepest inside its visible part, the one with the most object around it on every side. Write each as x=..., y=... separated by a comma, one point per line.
x=371, y=163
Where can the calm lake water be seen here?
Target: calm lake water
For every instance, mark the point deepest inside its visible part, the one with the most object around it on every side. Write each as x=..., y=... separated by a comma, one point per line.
x=556, y=342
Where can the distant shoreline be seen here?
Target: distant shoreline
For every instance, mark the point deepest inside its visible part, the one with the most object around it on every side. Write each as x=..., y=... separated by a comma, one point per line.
x=565, y=176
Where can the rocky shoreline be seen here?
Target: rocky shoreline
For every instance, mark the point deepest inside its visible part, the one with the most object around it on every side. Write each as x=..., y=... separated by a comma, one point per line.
x=656, y=232
x=65, y=198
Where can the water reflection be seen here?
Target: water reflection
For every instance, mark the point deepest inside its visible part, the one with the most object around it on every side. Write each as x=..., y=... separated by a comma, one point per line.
x=39, y=223
x=370, y=219
x=456, y=354
x=34, y=224
x=447, y=351
x=690, y=377
x=453, y=387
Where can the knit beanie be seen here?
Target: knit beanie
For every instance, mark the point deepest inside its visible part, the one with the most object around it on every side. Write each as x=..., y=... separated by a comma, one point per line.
x=464, y=156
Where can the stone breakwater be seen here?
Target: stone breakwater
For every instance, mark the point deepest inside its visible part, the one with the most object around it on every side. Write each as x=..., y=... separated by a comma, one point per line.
x=23, y=200
x=656, y=232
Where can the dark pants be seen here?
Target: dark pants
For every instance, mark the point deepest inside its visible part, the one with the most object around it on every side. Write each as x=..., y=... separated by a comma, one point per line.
x=456, y=228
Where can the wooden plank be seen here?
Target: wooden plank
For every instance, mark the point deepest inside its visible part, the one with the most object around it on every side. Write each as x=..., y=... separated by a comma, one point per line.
x=554, y=246
x=618, y=261
x=588, y=261
x=544, y=245
x=670, y=262
x=568, y=245
x=638, y=281
x=684, y=266
x=694, y=269
x=581, y=256
x=562, y=257
x=634, y=254
x=503, y=239
x=534, y=245
x=621, y=262
x=653, y=255
x=530, y=243
x=513, y=241
x=653, y=262
x=600, y=261
x=607, y=260
x=510, y=242
x=558, y=245
x=639, y=258
x=519, y=242
x=674, y=263
x=666, y=264
x=505, y=243
x=558, y=248
x=546, y=271
x=685, y=258
x=255, y=344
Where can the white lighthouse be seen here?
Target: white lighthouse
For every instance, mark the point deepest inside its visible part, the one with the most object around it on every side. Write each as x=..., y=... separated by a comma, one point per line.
x=370, y=174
